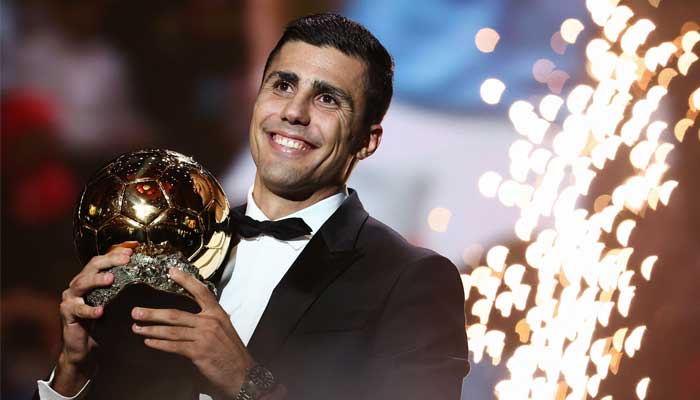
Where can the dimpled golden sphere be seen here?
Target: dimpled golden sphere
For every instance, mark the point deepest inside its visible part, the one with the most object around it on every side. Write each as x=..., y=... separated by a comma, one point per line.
x=154, y=197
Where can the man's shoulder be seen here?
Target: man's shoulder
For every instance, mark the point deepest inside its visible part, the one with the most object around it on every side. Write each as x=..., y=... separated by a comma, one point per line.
x=377, y=238
x=383, y=250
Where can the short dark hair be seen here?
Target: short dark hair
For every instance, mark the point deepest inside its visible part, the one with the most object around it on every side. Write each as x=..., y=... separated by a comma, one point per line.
x=352, y=39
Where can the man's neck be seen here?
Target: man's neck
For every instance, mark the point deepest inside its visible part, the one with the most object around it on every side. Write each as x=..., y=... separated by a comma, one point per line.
x=275, y=206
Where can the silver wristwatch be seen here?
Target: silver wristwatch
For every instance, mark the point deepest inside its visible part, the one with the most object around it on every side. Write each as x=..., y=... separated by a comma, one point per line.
x=258, y=382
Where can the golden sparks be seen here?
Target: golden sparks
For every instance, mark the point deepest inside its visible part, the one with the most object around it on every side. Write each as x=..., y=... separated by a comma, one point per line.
x=694, y=100
x=635, y=35
x=624, y=230
x=690, y=26
x=496, y=258
x=647, y=266
x=685, y=61
x=634, y=341
x=617, y=22
x=666, y=75
x=665, y=191
x=689, y=40
x=681, y=128
x=582, y=280
x=641, y=389
x=601, y=10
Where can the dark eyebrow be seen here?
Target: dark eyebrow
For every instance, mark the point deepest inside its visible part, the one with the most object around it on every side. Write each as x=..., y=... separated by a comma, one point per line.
x=325, y=87
x=290, y=77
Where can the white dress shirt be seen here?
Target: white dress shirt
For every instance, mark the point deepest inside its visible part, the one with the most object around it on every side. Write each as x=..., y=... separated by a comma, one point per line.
x=258, y=264
x=255, y=267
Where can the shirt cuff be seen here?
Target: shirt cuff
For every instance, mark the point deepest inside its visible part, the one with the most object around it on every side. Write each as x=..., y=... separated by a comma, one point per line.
x=46, y=392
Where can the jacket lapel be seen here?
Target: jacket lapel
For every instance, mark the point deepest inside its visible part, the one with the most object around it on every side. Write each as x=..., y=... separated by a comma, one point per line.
x=325, y=257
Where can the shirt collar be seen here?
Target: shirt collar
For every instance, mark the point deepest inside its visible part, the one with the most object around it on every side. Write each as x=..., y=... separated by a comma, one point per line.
x=314, y=215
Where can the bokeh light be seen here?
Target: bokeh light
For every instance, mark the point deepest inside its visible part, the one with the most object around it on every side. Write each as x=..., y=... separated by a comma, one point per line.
x=541, y=70
x=570, y=29
x=486, y=40
x=491, y=91
x=439, y=219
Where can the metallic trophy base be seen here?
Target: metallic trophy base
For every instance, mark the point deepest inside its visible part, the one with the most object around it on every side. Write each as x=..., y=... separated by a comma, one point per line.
x=149, y=266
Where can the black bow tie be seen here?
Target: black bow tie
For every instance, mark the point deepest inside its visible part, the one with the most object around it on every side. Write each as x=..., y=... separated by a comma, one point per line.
x=283, y=229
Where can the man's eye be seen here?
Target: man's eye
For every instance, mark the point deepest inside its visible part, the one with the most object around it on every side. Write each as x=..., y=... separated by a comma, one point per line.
x=283, y=86
x=327, y=99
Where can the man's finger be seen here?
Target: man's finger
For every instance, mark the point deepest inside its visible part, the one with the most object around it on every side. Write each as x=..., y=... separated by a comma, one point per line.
x=169, y=346
x=204, y=297
x=129, y=244
x=118, y=256
x=177, y=333
x=75, y=311
x=84, y=311
x=165, y=316
x=86, y=282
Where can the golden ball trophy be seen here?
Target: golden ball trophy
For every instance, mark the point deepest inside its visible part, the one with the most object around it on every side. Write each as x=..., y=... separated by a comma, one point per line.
x=179, y=215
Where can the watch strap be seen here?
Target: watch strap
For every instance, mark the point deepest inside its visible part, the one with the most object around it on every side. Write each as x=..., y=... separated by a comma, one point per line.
x=258, y=382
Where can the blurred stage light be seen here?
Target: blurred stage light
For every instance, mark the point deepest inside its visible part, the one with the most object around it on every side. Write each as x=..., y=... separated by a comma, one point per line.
x=491, y=91
x=486, y=40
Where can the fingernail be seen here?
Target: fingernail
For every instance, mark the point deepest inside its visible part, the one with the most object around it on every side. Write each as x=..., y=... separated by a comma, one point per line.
x=108, y=276
x=137, y=313
x=136, y=327
x=173, y=271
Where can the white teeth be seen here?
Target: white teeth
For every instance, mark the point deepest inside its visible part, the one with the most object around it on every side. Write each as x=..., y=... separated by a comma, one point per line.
x=287, y=142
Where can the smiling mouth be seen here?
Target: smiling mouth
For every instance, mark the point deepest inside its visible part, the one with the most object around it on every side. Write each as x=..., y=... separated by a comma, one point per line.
x=289, y=144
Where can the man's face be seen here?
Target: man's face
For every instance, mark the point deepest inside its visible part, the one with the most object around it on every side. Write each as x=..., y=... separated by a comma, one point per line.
x=307, y=120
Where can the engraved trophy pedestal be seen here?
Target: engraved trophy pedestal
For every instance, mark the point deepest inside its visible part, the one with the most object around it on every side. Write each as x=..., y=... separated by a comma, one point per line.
x=128, y=369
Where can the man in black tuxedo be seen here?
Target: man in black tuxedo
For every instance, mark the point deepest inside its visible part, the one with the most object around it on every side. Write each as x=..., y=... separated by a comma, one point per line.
x=356, y=312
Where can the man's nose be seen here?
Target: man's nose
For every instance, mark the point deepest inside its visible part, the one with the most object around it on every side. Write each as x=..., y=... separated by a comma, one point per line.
x=296, y=111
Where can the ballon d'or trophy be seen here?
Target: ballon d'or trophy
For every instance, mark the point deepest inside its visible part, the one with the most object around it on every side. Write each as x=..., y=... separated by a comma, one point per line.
x=178, y=214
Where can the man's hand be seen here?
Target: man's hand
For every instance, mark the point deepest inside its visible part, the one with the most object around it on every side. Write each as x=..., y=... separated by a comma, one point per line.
x=75, y=364
x=208, y=339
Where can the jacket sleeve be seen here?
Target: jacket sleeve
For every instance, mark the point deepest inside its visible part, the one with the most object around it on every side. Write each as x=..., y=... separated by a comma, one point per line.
x=420, y=344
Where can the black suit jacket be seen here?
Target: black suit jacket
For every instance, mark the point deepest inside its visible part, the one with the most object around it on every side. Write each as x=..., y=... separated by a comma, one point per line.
x=363, y=314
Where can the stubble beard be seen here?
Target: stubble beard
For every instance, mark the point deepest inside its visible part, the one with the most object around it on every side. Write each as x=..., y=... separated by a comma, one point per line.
x=284, y=181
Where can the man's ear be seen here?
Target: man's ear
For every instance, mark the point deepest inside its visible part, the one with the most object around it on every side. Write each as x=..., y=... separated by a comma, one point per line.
x=371, y=142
